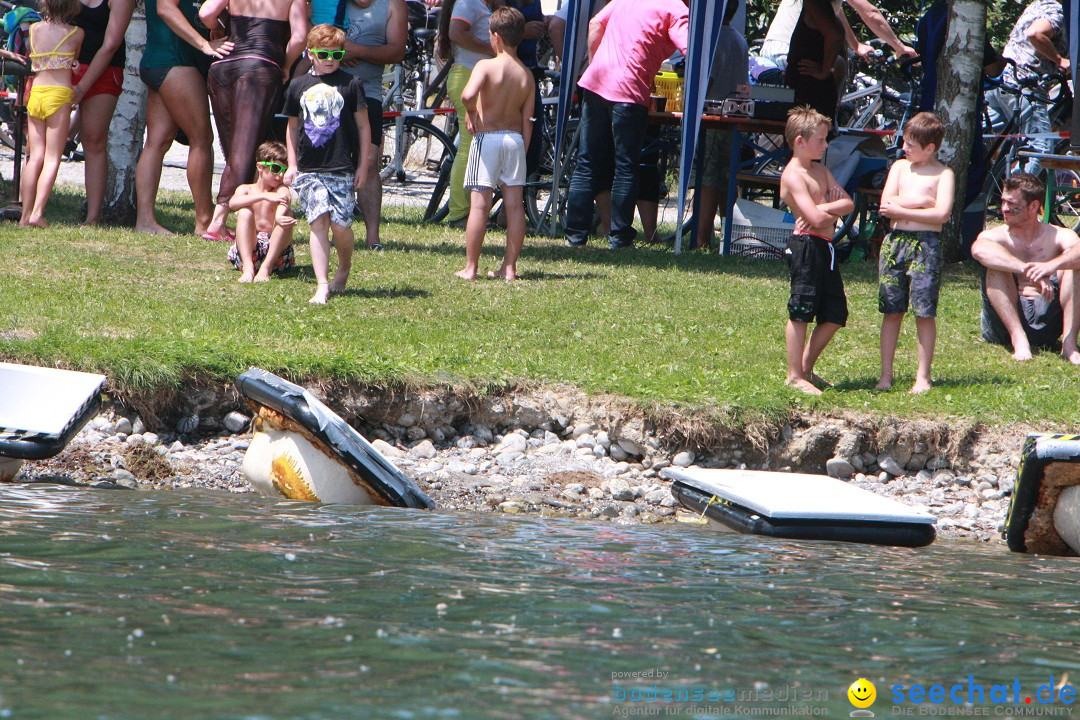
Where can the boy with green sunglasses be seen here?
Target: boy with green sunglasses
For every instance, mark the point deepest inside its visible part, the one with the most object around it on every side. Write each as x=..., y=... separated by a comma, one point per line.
x=264, y=226
x=329, y=150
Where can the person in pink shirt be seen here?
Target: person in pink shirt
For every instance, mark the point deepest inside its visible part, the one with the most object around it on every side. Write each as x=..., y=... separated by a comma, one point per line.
x=628, y=41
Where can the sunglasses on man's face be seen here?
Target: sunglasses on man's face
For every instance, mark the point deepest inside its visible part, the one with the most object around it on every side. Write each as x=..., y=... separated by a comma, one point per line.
x=273, y=167
x=328, y=54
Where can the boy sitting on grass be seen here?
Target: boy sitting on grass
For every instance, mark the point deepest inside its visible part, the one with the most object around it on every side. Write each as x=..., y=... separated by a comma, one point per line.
x=817, y=290
x=328, y=121
x=918, y=198
x=499, y=102
x=264, y=226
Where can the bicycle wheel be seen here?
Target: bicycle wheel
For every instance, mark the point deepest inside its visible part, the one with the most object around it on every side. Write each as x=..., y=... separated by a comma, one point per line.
x=415, y=161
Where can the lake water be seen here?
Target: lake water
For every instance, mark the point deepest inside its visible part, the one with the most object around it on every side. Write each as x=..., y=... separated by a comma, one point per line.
x=209, y=605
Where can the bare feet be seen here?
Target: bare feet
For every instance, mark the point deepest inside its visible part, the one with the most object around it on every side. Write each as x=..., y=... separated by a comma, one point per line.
x=337, y=285
x=804, y=385
x=920, y=387
x=153, y=228
x=261, y=277
x=466, y=274
x=885, y=383
x=322, y=292
x=819, y=381
x=1021, y=349
x=246, y=277
x=32, y=222
x=1073, y=357
x=504, y=272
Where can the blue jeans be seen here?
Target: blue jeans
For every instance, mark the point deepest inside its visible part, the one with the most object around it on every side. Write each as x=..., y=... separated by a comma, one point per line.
x=612, y=135
x=1034, y=119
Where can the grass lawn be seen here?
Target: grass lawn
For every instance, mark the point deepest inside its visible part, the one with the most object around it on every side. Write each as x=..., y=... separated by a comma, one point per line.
x=698, y=331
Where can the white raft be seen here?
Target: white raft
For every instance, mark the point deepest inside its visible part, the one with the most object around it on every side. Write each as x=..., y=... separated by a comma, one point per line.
x=302, y=450
x=41, y=409
x=798, y=506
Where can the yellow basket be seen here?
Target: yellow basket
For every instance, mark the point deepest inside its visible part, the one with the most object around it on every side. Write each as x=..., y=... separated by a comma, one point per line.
x=670, y=86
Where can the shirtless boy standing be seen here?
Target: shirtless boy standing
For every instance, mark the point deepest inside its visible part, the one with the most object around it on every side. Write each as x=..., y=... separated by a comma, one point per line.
x=1030, y=289
x=264, y=226
x=918, y=198
x=817, y=290
x=499, y=101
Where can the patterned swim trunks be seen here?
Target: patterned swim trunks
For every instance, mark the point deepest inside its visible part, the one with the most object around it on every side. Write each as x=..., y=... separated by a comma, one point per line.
x=909, y=270
x=321, y=194
x=285, y=261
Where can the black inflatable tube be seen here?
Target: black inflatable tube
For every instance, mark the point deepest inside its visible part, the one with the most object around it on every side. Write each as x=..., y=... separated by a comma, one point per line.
x=349, y=446
x=747, y=521
x=1039, y=451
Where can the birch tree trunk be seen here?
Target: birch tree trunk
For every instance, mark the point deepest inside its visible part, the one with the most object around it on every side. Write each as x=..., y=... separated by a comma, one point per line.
x=959, y=76
x=126, y=130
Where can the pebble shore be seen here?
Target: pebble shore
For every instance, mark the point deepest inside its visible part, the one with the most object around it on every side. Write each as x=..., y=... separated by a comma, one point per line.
x=573, y=471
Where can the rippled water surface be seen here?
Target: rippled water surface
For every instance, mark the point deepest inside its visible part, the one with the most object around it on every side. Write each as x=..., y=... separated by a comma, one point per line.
x=178, y=605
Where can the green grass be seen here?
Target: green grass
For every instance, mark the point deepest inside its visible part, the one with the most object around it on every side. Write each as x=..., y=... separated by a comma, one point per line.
x=698, y=332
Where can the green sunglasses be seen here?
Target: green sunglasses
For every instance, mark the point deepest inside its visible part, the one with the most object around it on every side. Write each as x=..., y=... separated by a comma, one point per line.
x=328, y=54
x=273, y=167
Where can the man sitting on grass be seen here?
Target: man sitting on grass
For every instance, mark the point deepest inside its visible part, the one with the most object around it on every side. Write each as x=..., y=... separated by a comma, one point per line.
x=1029, y=292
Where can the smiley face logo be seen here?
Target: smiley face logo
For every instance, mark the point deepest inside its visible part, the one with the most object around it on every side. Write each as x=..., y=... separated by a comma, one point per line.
x=862, y=693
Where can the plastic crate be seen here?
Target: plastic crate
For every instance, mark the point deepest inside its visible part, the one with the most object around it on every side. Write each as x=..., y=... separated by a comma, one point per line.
x=762, y=242
x=670, y=86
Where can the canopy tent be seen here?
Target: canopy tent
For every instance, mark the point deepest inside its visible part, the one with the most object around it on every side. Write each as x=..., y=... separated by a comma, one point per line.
x=706, y=17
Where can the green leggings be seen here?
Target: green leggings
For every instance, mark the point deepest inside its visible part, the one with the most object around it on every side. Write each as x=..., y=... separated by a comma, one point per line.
x=459, y=198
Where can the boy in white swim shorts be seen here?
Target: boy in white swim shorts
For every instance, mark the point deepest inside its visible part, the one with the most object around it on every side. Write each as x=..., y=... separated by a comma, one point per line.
x=499, y=101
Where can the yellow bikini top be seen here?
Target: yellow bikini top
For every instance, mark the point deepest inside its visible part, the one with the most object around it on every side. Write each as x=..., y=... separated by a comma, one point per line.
x=53, y=60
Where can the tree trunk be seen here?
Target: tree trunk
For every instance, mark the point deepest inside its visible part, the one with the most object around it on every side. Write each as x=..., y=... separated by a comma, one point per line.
x=126, y=130
x=959, y=76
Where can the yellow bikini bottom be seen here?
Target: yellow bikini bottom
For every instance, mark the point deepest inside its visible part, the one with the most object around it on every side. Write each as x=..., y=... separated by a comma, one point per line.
x=45, y=100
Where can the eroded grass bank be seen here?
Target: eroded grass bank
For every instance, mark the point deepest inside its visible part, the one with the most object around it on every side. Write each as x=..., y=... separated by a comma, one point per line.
x=693, y=343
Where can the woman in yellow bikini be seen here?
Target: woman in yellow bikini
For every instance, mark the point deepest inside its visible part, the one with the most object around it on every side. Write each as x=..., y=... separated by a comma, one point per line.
x=49, y=104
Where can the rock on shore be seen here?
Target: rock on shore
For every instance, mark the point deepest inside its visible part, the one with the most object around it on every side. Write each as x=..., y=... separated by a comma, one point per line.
x=572, y=469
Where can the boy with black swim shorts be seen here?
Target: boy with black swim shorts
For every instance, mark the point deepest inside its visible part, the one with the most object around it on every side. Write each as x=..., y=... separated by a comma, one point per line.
x=918, y=198
x=328, y=121
x=264, y=226
x=817, y=290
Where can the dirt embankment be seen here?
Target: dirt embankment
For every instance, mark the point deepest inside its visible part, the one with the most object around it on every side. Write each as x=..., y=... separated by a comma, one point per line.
x=556, y=451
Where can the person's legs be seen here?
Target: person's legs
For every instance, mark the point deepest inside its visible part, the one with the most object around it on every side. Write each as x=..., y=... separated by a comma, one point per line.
x=280, y=239
x=823, y=333
x=95, y=116
x=475, y=228
x=1035, y=120
x=1002, y=296
x=795, y=339
x=708, y=206
x=35, y=159
x=459, y=198
x=160, y=131
x=890, y=333
x=56, y=130
x=344, y=240
x=245, y=244
x=319, y=239
x=245, y=94
x=513, y=201
x=628, y=125
x=184, y=96
x=1070, y=316
x=594, y=168
x=926, y=329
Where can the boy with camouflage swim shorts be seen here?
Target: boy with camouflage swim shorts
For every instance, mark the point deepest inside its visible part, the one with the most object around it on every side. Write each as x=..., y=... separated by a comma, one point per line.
x=918, y=198
x=328, y=121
